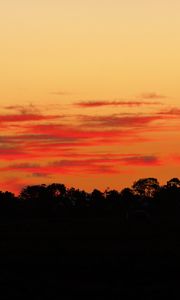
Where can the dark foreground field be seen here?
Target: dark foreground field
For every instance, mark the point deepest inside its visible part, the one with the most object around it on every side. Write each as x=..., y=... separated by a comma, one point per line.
x=88, y=258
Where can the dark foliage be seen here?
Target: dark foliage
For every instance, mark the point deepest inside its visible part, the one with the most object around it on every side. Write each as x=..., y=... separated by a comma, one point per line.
x=64, y=243
x=146, y=201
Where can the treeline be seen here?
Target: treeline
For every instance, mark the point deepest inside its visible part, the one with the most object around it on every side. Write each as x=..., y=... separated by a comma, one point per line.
x=146, y=201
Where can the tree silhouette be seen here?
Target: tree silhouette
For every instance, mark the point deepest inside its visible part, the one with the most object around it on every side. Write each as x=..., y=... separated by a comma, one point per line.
x=8, y=203
x=112, y=236
x=146, y=199
x=113, y=199
x=146, y=187
x=97, y=199
x=78, y=199
x=36, y=199
x=173, y=183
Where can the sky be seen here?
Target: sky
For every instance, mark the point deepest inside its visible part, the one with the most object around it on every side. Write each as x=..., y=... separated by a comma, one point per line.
x=89, y=92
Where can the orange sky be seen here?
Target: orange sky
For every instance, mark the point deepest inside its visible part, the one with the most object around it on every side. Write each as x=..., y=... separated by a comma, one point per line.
x=89, y=92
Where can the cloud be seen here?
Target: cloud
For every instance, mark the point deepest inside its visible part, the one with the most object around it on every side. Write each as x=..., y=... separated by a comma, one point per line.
x=96, y=165
x=63, y=167
x=26, y=118
x=24, y=166
x=113, y=161
x=175, y=111
x=60, y=93
x=39, y=143
x=152, y=95
x=75, y=133
x=119, y=121
x=40, y=175
x=24, y=109
x=87, y=135
x=141, y=161
x=13, y=154
x=26, y=139
x=90, y=104
x=29, y=140
x=85, y=166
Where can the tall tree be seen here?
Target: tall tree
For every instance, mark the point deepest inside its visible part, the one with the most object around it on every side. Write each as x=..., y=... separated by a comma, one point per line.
x=146, y=187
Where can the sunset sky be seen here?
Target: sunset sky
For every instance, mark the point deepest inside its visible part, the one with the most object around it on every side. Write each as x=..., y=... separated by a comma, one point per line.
x=89, y=92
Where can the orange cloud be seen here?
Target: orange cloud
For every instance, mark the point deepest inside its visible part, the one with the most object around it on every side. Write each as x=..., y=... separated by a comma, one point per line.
x=119, y=121
x=98, y=165
x=172, y=112
x=90, y=104
x=26, y=117
x=152, y=95
x=29, y=139
x=142, y=161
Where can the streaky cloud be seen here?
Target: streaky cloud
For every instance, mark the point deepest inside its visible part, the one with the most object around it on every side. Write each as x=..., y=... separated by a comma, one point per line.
x=152, y=95
x=142, y=161
x=91, y=104
x=119, y=121
x=175, y=111
x=89, y=164
x=26, y=118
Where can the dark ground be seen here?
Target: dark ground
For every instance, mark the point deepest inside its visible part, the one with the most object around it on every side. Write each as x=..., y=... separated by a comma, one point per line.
x=90, y=258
